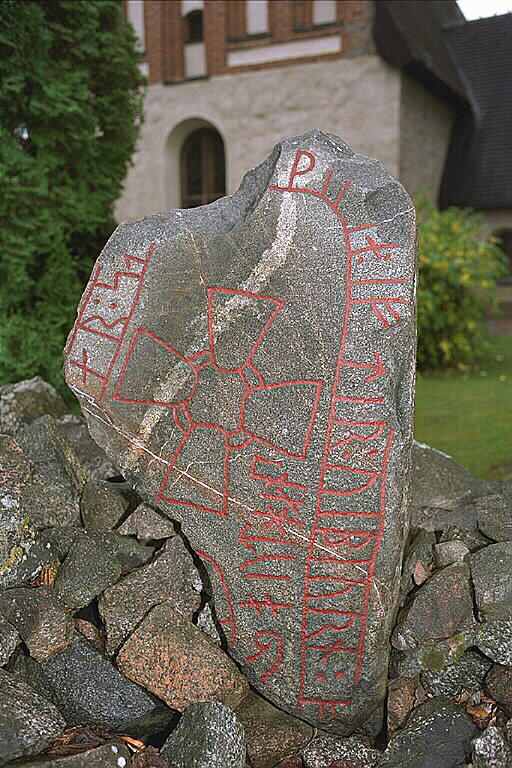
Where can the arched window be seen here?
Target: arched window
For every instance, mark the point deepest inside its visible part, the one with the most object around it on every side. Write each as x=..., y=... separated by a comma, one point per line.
x=202, y=168
x=194, y=27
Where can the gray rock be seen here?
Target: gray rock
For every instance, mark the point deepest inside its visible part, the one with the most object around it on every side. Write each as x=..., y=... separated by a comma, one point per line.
x=147, y=524
x=206, y=623
x=491, y=568
x=467, y=672
x=498, y=683
x=268, y=409
x=28, y=722
x=490, y=750
x=87, y=570
x=437, y=735
x=440, y=482
x=495, y=513
x=432, y=657
x=462, y=518
x=44, y=625
x=169, y=577
x=58, y=541
x=89, y=690
x=94, y=461
x=472, y=538
x=16, y=534
x=39, y=554
x=324, y=749
x=106, y=756
x=25, y=402
x=508, y=732
x=418, y=551
x=440, y=608
x=208, y=736
x=58, y=477
x=9, y=639
x=270, y=733
x=128, y=551
x=449, y=552
x=102, y=504
x=494, y=638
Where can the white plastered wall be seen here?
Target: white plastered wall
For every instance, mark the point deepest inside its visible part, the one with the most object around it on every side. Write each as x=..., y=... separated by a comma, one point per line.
x=497, y=219
x=355, y=98
x=426, y=124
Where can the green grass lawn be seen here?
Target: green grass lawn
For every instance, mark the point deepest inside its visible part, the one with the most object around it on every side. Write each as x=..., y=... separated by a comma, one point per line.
x=469, y=415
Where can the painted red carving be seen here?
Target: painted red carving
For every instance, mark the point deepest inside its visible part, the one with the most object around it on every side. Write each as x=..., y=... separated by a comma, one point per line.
x=326, y=705
x=380, y=250
x=247, y=363
x=194, y=370
x=349, y=586
x=232, y=439
x=269, y=480
x=334, y=475
x=85, y=323
x=388, y=304
x=377, y=368
x=264, y=648
x=265, y=559
x=249, y=540
x=84, y=367
x=316, y=387
x=267, y=602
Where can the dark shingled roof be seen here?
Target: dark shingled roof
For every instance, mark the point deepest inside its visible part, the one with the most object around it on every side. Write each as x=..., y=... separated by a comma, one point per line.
x=409, y=35
x=468, y=64
x=479, y=164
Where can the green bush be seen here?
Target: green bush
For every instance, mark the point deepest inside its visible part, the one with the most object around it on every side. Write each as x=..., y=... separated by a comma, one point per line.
x=458, y=269
x=70, y=110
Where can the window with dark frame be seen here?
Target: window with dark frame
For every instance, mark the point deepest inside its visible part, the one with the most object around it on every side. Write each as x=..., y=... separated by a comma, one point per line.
x=194, y=27
x=203, y=174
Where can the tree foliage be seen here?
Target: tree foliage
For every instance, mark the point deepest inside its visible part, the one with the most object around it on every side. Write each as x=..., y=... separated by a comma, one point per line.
x=458, y=269
x=70, y=111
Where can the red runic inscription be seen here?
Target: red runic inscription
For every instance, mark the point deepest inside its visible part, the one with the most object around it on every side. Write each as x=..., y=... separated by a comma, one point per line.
x=345, y=442
x=108, y=319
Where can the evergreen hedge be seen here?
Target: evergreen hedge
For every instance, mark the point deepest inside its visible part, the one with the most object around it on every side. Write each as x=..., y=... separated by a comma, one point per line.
x=71, y=98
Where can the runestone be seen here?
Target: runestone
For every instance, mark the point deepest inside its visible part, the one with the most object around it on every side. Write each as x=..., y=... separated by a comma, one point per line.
x=250, y=366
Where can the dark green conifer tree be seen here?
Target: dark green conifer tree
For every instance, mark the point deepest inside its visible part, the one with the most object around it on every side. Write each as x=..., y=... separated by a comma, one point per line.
x=71, y=97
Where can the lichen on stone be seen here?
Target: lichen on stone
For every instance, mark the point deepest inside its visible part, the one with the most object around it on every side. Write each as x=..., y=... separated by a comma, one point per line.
x=433, y=660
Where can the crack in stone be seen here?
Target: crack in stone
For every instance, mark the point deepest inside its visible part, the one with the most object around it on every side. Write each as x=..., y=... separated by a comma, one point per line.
x=133, y=441
x=401, y=213
x=184, y=472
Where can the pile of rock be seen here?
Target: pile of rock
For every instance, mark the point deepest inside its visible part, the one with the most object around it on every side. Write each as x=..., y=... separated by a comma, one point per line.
x=110, y=651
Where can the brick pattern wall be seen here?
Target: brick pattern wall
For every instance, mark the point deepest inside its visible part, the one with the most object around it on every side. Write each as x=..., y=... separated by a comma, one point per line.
x=236, y=19
x=224, y=31
x=215, y=33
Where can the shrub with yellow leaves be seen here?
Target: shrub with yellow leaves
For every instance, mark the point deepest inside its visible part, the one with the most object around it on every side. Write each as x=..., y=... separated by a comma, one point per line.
x=458, y=270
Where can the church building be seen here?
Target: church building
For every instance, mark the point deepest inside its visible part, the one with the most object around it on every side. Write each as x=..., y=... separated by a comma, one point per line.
x=410, y=83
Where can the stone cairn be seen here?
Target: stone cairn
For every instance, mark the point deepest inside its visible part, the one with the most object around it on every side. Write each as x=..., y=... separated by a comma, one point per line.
x=215, y=581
